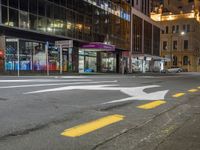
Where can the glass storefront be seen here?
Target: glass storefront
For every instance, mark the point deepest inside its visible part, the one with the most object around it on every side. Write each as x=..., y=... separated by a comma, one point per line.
x=108, y=63
x=87, y=61
x=33, y=56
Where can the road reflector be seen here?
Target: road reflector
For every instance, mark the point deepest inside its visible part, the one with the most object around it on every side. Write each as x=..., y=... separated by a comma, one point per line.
x=92, y=126
x=193, y=90
x=152, y=104
x=178, y=95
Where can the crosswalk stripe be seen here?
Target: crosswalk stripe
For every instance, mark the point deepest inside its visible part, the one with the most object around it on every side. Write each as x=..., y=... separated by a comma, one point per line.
x=152, y=104
x=55, y=84
x=192, y=90
x=178, y=95
x=92, y=126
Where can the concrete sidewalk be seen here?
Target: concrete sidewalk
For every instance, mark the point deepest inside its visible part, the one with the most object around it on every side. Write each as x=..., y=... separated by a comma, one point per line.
x=187, y=137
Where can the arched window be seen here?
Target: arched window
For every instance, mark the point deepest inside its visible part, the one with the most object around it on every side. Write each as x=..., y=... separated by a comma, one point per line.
x=175, y=60
x=185, y=60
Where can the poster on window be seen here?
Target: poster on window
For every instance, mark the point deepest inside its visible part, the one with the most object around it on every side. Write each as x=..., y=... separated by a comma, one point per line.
x=39, y=58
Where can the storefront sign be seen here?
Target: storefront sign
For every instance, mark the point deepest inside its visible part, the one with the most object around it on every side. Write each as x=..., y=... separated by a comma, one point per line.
x=11, y=40
x=99, y=46
x=65, y=43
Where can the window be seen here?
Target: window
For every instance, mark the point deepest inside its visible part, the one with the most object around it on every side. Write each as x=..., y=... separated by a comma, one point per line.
x=175, y=45
x=175, y=60
x=188, y=28
x=164, y=45
x=4, y=12
x=13, y=3
x=23, y=5
x=23, y=23
x=4, y=2
x=177, y=28
x=185, y=60
x=33, y=6
x=185, y=44
x=167, y=29
x=33, y=22
x=41, y=8
x=13, y=18
x=173, y=29
x=184, y=27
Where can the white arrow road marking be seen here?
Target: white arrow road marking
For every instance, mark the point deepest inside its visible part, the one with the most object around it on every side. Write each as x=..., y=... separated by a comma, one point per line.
x=160, y=95
x=40, y=85
x=67, y=88
x=135, y=93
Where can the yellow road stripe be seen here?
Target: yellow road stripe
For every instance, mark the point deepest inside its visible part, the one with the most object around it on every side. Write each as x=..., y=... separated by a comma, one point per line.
x=152, y=104
x=199, y=87
x=92, y=126
x=193, y=90
x=178, y=95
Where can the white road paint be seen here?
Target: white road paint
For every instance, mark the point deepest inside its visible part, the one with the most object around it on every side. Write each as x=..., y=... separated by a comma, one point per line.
x=41, y=85
x=69, y=77
x=40, y=80
x=134, y=93
x=67, y=88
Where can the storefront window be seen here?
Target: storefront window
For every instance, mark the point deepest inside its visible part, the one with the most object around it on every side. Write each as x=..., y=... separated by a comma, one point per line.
x=25, y=57
x=108, y=62
x=90, y=61
x=53, y=54
x=11, y=54
x=87, y=61
x=39, y=57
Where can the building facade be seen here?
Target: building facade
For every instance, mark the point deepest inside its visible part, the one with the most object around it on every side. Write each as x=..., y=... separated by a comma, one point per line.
x=30, y=28
x=180, y=40
x=143, y=6
x=176, y=6
x=145, y=43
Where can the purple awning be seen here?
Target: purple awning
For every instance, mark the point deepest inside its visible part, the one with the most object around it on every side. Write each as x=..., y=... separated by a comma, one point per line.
x=97, y=46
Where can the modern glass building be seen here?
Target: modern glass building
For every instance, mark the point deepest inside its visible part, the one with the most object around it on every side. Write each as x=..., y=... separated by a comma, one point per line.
x=30, y=28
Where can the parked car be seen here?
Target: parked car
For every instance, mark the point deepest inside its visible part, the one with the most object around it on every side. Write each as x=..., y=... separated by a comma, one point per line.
x=173, y=70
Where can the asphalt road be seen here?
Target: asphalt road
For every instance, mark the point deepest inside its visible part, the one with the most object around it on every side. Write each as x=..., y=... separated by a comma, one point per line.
x=105, y=112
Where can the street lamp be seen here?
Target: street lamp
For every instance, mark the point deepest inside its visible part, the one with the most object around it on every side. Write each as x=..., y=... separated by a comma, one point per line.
x=183, y=33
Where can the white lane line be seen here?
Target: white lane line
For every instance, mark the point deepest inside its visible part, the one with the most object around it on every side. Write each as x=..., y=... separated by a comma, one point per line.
x=40, y=80
x=40, y=85
x=69, y=77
